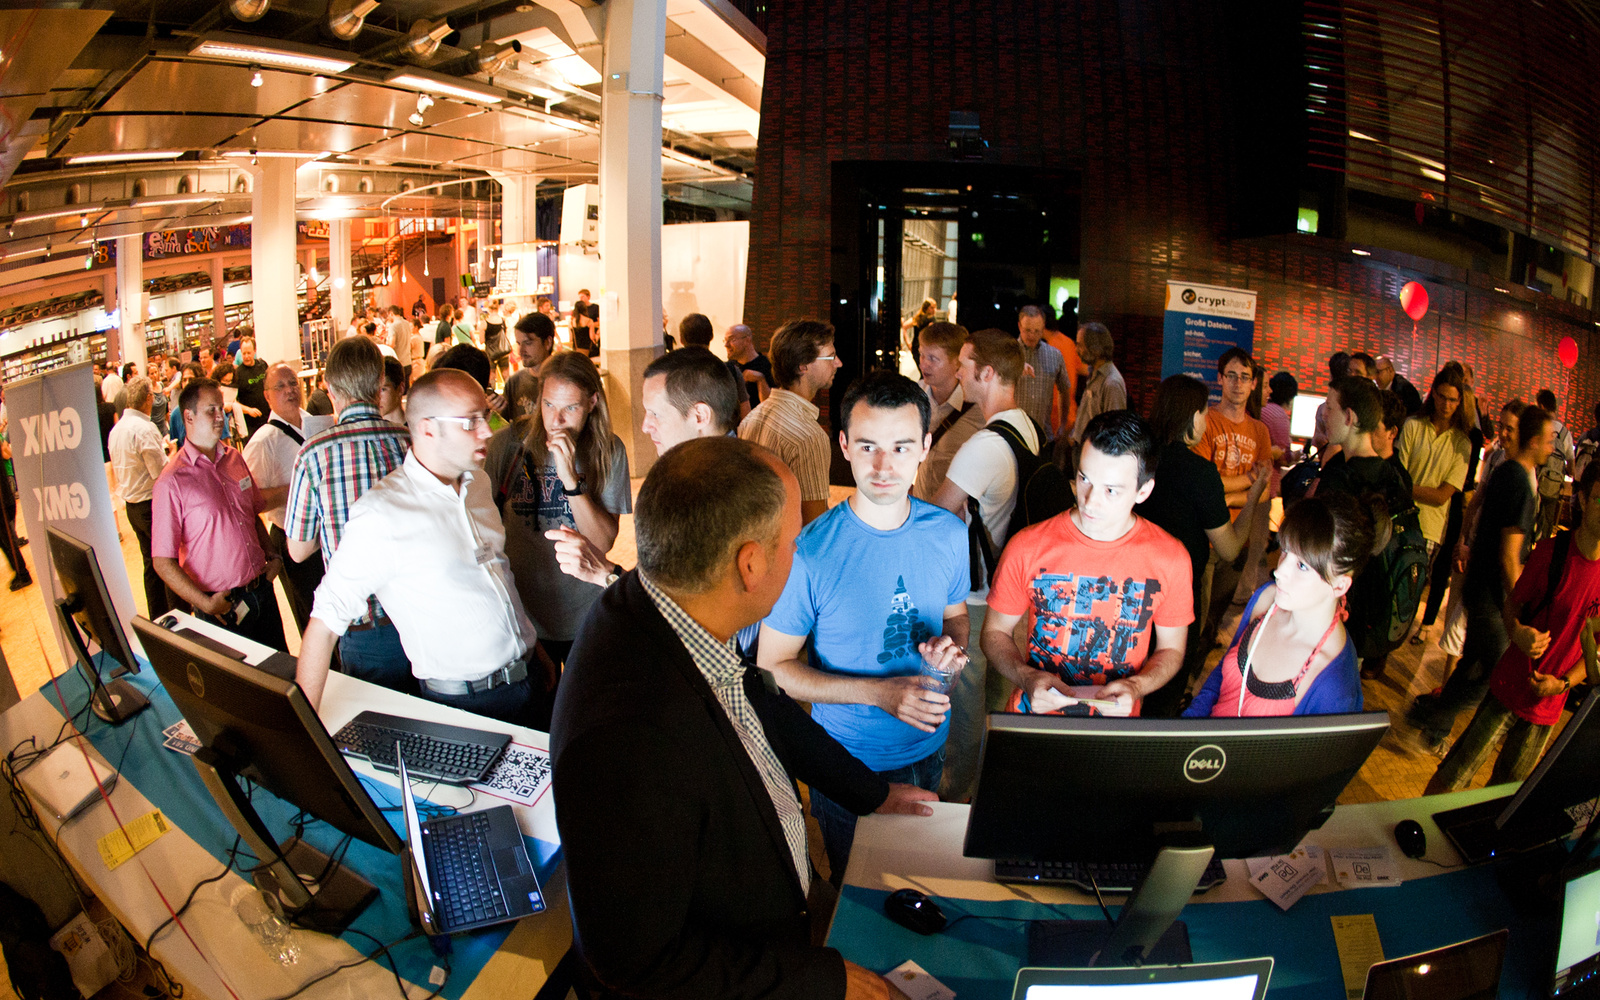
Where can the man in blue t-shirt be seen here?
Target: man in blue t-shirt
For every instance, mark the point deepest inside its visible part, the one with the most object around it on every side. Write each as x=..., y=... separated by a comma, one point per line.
x=879, y=585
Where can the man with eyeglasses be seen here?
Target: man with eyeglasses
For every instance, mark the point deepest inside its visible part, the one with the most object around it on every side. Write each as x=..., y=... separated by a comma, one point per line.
x=785, y=423
x=1240, y=446
x=270, y=453
x=429, y=544
x=332, y=472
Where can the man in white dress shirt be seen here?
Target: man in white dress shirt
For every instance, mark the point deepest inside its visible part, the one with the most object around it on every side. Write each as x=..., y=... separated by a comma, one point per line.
x=138, y=454
x=270, y=454
x=428, y=542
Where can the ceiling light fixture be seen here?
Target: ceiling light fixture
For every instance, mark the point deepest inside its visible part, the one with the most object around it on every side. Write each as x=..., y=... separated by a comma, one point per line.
x=83, y=221
x=415, y=119
x=424, y=37
x=280, y=154
x=42, y=216
x=150, y=154
x=1362, y=253
x=239, y=48
x=255, y=76
x=177, y=199
x=346, y=18
x=248, y=10
x=446, y=86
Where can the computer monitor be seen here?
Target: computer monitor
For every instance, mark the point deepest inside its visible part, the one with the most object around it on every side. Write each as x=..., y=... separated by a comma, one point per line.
x=1241, y=980
x=252, y=724
x=1303, y=415
x=1071, y=788
x=1577, y=972
x=86, y=614
x=1168, y=792
x=1566, y=777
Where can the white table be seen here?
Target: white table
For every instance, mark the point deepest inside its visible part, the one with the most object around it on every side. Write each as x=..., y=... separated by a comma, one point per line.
x=217, y=946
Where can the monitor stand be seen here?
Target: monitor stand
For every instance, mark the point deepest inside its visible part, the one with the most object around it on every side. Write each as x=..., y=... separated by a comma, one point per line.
x=1147, y=932
x=292, y=870
x=113, y=703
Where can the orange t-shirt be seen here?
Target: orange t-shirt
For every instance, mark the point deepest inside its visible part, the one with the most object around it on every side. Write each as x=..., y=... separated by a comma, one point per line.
x=1234, y=447
x=1069, y=353
x=1090, y=604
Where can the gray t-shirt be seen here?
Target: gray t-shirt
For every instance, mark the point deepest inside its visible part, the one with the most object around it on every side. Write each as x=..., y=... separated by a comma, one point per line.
x=533, y=505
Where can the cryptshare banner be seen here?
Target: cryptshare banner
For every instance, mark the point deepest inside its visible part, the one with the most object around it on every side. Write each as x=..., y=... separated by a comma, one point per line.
x=54, y=431
x=1202, y=322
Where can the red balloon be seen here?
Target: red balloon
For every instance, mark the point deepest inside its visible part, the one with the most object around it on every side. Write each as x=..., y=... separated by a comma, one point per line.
x=1567, y=351
x=1414, y=300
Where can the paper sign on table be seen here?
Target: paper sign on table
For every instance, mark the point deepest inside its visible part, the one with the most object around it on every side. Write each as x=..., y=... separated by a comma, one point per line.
x=1364, y=866
x=181, y=738
x=115, y=847
x=913, y=980
x=1287, y=877
x=1356, y=937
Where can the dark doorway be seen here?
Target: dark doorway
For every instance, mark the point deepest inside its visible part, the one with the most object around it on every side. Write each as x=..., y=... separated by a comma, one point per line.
x=993, y=238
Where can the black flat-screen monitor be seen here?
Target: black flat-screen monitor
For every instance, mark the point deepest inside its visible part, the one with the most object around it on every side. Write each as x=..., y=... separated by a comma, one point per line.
x=86, y=616
x=84, y=588
x=254, y=725
x=1063, y=788
x=1567, y=776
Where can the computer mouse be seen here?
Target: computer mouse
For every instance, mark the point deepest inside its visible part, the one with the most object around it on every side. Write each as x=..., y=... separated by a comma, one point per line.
x=1413, y=842
x=914, y=910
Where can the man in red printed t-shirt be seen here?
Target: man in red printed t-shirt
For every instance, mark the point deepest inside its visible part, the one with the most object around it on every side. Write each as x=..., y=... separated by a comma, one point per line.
x=1552, y=651
x=1107, y=593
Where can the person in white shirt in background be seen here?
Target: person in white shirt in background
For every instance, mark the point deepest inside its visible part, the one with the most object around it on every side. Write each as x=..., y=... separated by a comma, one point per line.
x=983, y=469
x=428, y=542
x=956, y=417
x=400, y=335
x=270, y=454
x=138, y=454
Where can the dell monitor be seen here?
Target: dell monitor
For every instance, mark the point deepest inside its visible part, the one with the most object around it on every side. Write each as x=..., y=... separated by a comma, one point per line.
x=85, y=614
x=1163, y=791
x=252, y=724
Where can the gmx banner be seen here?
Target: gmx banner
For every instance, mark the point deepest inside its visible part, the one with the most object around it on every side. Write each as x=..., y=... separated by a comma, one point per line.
x=61, y=481
x=1202, y=322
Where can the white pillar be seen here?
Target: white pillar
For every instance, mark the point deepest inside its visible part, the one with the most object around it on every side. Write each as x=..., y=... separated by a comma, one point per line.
x=219, y=309
x=272, y=271
x=130, y=298
x=630, y=210
x=341, y=301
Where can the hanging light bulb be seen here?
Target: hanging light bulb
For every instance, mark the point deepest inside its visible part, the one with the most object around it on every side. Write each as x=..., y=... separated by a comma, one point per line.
x=83, y=221
x=10, y=231
x=255, y=76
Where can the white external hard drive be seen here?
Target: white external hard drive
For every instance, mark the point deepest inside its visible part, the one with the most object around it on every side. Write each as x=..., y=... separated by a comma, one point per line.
x=62, y=783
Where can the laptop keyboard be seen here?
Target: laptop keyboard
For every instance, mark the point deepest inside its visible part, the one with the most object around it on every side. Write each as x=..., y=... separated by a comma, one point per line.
x=466, y=887
x=1111, y=877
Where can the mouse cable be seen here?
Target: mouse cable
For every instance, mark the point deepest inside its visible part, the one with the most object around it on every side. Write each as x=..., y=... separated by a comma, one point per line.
x=1095, y=885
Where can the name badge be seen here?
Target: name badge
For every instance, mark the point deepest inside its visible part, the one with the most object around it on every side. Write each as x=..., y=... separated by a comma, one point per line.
x=244, y=483
x=485, y=554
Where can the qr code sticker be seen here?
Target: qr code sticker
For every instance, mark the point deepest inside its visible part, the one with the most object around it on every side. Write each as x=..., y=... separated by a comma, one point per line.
x=522, y=775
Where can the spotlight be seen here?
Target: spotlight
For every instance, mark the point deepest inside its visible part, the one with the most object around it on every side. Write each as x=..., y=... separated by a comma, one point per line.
x=83, y=221
x=255, y=76
x=88, y=259
x=10, y=231
x=415, y=119
x=424, y=102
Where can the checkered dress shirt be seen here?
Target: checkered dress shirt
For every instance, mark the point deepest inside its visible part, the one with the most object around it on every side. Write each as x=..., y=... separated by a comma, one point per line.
x=719, y=662
x=334, y=469
x=1034, y=391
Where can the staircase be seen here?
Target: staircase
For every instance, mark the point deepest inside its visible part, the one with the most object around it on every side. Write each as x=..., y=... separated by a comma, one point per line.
x=368, y=263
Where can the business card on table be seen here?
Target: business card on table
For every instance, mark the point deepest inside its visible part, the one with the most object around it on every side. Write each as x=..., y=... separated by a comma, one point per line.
x=1364, y=866
x=1287, y=877
x=913, y=980
x=181, y=738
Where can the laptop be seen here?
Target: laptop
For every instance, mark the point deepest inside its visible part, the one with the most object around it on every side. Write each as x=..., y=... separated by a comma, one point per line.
x=1242, y=980
x=470, y=870
x=1466, y=970
x=1577, y=972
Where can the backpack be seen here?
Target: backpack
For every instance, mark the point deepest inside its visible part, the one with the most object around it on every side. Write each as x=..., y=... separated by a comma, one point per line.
x=1554, y=473
x=1042, y=493
x=1392, y=586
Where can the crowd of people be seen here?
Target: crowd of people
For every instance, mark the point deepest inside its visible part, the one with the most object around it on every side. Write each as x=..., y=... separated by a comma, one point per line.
x=443, y=530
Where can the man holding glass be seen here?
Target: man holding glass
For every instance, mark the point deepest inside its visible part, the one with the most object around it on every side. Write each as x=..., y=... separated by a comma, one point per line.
x=879, y=585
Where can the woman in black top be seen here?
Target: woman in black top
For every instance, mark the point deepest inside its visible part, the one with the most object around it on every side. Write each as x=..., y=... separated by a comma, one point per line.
x=1189, y=503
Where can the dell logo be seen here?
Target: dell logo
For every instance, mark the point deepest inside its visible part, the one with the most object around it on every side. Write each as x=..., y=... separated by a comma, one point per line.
x=197, y=681
x=1204, y=763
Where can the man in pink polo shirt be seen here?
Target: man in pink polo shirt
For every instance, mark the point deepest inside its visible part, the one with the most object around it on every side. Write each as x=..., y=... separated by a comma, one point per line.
x=207, y=539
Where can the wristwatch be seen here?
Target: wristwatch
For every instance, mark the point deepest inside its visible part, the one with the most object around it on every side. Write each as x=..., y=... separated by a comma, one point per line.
x=575, y=491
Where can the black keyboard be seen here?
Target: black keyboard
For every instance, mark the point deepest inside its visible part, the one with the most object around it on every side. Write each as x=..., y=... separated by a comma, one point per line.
x=451, y=754
x=1110, y=877
x=465, y=885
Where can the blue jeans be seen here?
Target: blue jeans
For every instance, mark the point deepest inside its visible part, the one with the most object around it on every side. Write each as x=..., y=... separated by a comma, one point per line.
x=508, y=702
x=375, y=655
x=839, y=824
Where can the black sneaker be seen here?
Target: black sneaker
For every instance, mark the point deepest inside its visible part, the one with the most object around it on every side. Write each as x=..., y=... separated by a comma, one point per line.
x=21, y=580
